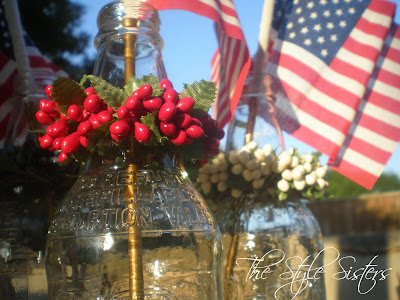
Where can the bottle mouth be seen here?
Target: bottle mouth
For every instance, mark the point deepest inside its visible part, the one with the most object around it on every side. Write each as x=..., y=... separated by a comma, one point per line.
x=144, y=19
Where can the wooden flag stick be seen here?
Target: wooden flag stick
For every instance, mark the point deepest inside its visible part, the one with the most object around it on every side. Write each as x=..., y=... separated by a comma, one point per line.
x=136, y=281
x=258, y=63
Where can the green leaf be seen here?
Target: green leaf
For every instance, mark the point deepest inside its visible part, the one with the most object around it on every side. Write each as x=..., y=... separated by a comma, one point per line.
x=113, y=96
x=202, y=92
x=150, y=121
x=135, y=83
x=99, y=138
x=192, y=152
x=66, y=92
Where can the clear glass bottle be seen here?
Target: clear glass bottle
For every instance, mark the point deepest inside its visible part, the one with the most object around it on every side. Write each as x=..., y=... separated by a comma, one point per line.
x=283, y=235
x=257, y=225
x=133, y=226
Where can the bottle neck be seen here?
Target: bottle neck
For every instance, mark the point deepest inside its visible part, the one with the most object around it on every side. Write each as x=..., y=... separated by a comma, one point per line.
x=128, y=40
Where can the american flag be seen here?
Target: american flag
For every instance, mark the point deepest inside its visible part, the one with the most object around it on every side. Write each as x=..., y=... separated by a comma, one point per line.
x=231, y=62
x=336, y=66
x=13, y=120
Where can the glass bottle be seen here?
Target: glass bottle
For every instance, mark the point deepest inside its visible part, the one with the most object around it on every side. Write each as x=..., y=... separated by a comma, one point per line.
x=263, y=238
x=133, y=226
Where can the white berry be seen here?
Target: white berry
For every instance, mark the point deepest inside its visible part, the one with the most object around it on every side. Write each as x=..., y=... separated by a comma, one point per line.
x=223, y=176
x=310, y=179
x=258, y=183
x=237, y=169
x=252, y=164
x=295, y=162
x=206, y=187
x=283, y=185
x=265, y=169
x=299, y=185
x=268, y=149
x=256, y=174
x=236, y=193
x=247, y=175
x=287, y=175
x=244, y=157
x=234, y=157
x=221, y=187
x=214, y=178
x=321, y=171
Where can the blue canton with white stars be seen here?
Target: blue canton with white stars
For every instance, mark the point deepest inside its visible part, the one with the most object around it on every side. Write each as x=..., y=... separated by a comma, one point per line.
x=5, y=38
x=319, y=26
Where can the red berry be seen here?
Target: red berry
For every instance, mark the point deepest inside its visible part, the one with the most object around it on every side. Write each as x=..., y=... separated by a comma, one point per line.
x=135, y=93
x=179, y=138
x=142, y=132
x=58, y=129
x=165, y=84
x=211, y=142
x=75, y=113
x=219, y=133
x=70, y=143
x=212, y=152
x=110, y=110
x=185, y=104
x=89, y=91
x=47, y=106
x=189, y=140
x=117, y=138
x=46, y=141
x=61, y=116
x=85, y=128
x=104, y=116
x=169, y=129
x=120, y=128
x=92, y=103
x=182, y=120
x=123, y=113
x=196, y=121
x=43, y=118
x=86, y=115
x=57, y=143
x=152, y=104
x=48, y=90
x=61, y=157
x=210, y=124
x=167, y=112
x=170, y=95
x=145, y=91
x=84, y=141
x=195, y=131
x=95, y=121
x=133, y=103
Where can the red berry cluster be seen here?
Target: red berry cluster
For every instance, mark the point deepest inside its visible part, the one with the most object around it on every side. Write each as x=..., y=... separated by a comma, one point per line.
x=58, y=135
x=173, y=119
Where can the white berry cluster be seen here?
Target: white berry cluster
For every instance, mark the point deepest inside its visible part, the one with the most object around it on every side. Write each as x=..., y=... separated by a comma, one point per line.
x=301, y=173
x=252, y=169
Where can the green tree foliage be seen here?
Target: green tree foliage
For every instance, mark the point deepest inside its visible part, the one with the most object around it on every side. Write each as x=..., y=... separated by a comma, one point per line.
x=342, y=187
x=52, y=25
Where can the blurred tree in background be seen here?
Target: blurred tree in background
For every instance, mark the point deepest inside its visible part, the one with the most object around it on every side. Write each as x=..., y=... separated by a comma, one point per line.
x=52, y=27
x=342, y=187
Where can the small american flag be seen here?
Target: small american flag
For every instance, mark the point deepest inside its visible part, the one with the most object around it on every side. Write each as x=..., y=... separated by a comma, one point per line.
x=13, y=120
x=231, y=62
x=336, y=65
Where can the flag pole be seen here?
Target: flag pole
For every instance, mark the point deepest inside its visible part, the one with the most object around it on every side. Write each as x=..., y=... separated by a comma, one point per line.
x=135, y=249
x=258, y=63
x=17, y=36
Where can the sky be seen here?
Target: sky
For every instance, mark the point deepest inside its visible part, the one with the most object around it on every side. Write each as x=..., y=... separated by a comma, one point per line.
x=190, y=42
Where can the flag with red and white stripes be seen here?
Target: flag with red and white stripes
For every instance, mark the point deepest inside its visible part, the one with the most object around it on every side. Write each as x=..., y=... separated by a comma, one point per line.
x=375, y=131
x=13, y=120
x=231, y=62
x=337, y=81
